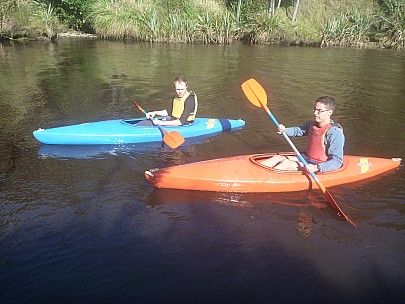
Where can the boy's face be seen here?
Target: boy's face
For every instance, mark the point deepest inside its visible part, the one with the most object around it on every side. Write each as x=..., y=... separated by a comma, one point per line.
x=321, y=113
x=181, y=88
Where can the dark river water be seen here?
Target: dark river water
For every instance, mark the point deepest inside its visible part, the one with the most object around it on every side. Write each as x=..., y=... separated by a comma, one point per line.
x=82, y=224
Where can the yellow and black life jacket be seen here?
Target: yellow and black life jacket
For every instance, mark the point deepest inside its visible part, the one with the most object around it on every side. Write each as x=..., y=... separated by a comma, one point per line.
x=178, y=106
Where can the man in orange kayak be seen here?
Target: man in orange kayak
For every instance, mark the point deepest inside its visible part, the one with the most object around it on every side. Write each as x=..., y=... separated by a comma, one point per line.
x=183, y=109
x=325, y=141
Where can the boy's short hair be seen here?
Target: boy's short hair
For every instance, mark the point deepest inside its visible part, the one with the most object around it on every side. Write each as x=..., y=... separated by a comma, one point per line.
x=328, y=101
x=180, y=79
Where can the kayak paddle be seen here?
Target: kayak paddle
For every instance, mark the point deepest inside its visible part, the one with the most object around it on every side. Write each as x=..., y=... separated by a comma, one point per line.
x=173, y=139
x=257, y=96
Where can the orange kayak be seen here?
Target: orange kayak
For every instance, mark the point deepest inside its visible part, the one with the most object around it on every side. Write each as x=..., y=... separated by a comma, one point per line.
x=247, y=174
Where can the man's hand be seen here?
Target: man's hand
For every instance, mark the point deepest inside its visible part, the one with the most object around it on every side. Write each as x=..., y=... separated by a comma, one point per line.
x=312, y=168
x=280, y=128
x=150, y=115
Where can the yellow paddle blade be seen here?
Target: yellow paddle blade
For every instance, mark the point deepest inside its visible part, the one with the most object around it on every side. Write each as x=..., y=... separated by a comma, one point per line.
x=173, y=139
x=255, y=92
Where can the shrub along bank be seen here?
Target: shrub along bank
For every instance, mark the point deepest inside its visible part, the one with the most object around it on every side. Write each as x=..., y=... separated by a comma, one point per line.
x=353, y=23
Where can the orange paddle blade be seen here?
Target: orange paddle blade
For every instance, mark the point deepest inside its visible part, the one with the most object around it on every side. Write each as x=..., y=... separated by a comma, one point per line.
x=173, y=139
x=255, y=92
x=334, y=205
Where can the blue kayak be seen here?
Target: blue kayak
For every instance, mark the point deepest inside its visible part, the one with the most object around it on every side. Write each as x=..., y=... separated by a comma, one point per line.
x=125, y=131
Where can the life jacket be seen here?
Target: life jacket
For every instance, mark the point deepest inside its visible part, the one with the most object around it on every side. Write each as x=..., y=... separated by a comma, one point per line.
x=316, y=142
x=178, y=106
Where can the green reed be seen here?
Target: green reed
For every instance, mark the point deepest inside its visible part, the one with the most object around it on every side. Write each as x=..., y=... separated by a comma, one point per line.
x=220, y=28
x=178, y=28
x=143, y=21
x=264, y=27
x=324, y=22
x=392, y=23
x=45, y=18
x=29, y=19
x=149, y=26
x=348, y=29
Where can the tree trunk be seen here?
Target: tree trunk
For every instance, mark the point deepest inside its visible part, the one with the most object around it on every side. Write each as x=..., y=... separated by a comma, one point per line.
x=295, y=11
x=271, y=7
x=238, y=10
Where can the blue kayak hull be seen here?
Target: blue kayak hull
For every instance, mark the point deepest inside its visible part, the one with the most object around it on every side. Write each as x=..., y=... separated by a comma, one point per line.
x=125, y=131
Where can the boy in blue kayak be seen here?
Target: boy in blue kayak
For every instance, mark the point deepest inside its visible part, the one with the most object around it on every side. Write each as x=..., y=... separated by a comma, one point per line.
x=325, y=141
x=183, y=109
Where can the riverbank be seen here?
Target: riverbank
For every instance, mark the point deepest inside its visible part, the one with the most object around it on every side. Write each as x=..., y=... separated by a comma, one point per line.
x=358, y=24
x=293, y=42
x=76, y=34
x=63, y=35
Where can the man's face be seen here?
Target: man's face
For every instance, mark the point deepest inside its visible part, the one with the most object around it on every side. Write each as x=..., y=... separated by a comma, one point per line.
x=181, y=88
x=321, y=112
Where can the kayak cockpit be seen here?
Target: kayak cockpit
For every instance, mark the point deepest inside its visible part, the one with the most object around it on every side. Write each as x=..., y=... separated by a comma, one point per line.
x=258, y=160
x=134, y=121
x=131, y=122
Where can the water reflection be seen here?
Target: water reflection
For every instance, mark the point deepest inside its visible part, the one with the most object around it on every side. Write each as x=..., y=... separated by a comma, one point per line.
x=104, y=151
x=172, y=196
x=300, y=202
x=94, y=151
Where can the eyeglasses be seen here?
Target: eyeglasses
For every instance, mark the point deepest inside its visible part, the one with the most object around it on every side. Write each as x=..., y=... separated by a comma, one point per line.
x=319, y=111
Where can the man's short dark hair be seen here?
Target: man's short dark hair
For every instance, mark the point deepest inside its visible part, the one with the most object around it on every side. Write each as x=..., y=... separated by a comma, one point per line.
x=328, y=101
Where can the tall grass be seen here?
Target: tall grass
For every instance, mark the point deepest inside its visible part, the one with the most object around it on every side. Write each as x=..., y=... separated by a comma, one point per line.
x=201, y=20
x=28, y=19
x=392, y=23
x=348, y=29
x=113, y=19
x=150, y=26
x=265, y=27
x=319, y=22
x=177, y=28
x=217, y=29
x=45, y=18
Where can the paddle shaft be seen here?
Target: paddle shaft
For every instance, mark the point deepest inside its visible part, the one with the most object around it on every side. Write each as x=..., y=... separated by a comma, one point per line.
x=144, y=112
x=139, y=107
